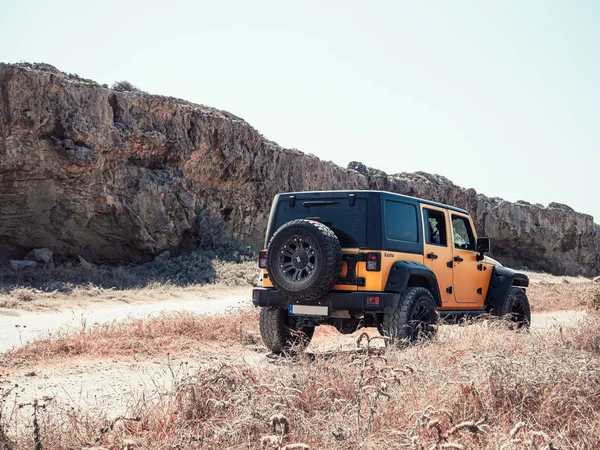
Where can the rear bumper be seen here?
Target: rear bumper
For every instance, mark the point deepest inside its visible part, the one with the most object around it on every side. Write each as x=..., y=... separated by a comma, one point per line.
x=336, y=301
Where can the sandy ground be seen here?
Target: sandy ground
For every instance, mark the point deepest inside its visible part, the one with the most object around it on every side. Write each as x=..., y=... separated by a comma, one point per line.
x=116, y=387
x=110, y=386
x=90, y=296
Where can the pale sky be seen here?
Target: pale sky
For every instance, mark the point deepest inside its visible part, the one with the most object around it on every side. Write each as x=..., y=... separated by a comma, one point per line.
x=499, y=96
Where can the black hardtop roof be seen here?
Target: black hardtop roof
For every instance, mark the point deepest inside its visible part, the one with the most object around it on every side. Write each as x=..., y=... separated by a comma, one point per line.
x=402, y=196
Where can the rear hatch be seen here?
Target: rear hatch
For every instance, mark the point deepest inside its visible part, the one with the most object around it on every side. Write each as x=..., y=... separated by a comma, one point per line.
x=353, y=216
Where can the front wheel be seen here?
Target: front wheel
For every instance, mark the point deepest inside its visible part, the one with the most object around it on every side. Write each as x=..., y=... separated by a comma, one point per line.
x=514, y=308
x=278, y=332
x=414, y=319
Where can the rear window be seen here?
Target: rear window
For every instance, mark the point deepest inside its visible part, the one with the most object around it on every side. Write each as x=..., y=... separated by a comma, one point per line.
x=401, y=221
x=349, y=223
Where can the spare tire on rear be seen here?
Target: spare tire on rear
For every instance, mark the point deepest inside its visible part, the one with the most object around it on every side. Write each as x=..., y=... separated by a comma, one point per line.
x=304, y=259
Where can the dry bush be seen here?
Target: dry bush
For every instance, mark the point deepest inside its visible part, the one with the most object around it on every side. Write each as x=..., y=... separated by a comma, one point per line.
x=242, y=274
x=24, y=297
x=563, y=296
x=9, y=302
x=217, y=258
x=25, y=294
x=199, y=267
x=211, y=231
x=475, y=387
x=166, y=333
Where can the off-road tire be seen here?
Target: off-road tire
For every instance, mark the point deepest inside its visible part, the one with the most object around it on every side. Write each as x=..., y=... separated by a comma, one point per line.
x=278, y=333
x=514, y=308
x=414, y=319
x=308, y=251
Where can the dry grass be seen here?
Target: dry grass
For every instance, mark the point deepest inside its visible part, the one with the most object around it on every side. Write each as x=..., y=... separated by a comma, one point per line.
x=475, y=387
x=543, y=277
x=586, y=337
x=171, y=332
x=563, y=296
x=166, y=333
x=27, y=298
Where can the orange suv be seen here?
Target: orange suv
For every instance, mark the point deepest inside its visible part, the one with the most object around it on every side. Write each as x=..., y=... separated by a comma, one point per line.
x=369, y=258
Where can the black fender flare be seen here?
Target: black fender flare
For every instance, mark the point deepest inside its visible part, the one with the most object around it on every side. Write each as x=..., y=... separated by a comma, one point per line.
x=500, y=282
x=409, y=273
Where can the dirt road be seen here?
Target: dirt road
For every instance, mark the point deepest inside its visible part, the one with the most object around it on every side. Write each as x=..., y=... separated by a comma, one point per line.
x=19, y=327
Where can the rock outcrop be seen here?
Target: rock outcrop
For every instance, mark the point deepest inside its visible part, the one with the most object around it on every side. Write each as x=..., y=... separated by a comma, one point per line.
x=121, y=175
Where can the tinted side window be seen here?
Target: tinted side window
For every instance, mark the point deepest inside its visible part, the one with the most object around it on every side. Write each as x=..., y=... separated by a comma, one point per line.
x=463, y=234
x=401, y=221
x=435, y=227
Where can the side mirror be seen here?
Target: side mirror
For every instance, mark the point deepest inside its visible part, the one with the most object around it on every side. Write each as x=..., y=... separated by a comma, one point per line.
x=483, y=246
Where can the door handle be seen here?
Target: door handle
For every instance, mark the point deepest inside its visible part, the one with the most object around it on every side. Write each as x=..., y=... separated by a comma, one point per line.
x=432, y=256
x=458, y=259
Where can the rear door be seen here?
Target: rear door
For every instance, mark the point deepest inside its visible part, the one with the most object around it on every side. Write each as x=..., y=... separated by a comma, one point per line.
x=467, y=278
x=438, y=249
x=345, y=214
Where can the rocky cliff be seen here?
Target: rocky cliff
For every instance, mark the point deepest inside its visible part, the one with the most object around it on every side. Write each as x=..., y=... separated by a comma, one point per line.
x=121, y=175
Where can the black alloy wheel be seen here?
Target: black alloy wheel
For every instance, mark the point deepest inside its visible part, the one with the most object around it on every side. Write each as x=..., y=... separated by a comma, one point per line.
x=297, y=259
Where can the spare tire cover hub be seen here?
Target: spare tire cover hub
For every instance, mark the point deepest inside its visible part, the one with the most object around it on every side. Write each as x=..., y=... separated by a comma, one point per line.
x=297, y=259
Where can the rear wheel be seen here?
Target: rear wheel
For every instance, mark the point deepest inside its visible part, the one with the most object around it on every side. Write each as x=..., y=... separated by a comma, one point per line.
x=514, y=308
x=279, y=334
x=414, y=319
x=304, y=260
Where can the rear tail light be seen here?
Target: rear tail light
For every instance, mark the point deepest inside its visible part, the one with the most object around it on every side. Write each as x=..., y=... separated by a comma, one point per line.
x=373, y=262
x=262, y=259
x=314, y=219
x=372, y=300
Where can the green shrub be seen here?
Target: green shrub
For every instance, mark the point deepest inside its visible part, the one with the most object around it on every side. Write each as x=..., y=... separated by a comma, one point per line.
x=124, y=86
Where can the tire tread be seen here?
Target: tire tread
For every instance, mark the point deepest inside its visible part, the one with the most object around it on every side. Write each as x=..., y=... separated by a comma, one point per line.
x=506, y=307
x=276, y=334
x=396, y=324
x=330, y=266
